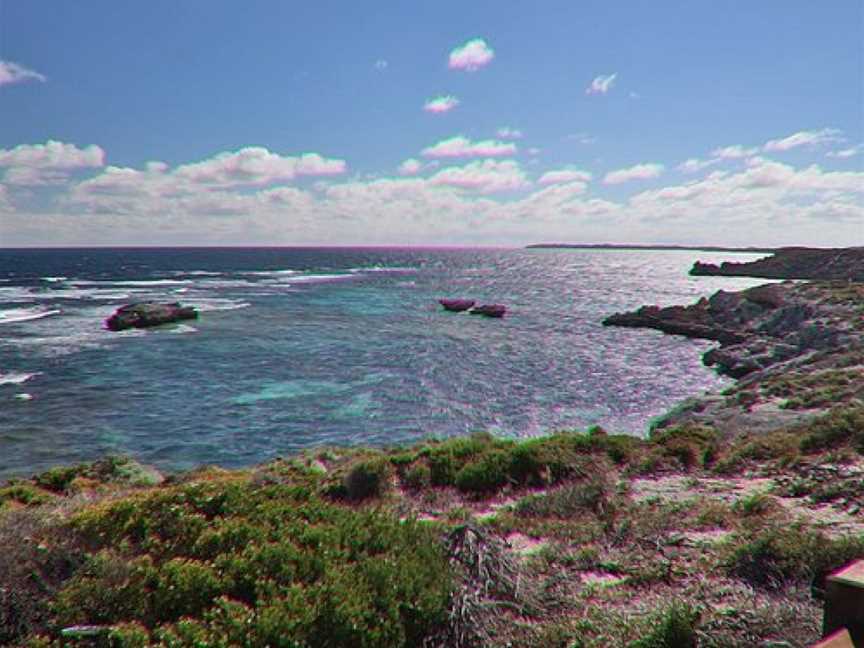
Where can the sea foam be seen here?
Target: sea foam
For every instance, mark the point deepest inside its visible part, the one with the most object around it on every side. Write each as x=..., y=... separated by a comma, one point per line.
x=13, y=315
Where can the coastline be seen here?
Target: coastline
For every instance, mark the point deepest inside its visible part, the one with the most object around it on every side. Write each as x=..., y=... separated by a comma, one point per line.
x=720, y=525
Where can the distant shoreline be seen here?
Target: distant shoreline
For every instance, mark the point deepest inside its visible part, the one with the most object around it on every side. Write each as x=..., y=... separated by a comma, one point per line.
x=619, y=246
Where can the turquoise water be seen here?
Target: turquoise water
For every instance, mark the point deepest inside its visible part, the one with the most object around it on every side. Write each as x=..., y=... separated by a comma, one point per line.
x=304, y=347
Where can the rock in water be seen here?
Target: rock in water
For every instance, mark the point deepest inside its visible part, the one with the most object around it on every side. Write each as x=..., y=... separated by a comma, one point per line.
x=145, y=314
x=456, y=305
x=489, y=310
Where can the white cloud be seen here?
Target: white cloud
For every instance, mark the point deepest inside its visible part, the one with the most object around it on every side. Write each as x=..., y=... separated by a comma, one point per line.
x=601, y=84
x=248, y=197
x=636, y=172
x=694, y=165
x=581, y=138
x=733, y=152
x=803, y=138
x=562, y=176
x=459, y=146
x=442, y=104
x=471, y=56
x=49, y=163
x=14, y=73
x=509, y=133
x=381, y=65
x=255, y=165
x=410, y=166
x=486, y=176
x=847, y=152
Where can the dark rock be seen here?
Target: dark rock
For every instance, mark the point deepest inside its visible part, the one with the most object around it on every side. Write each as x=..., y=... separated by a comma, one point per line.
x=794, y=263
x=489, y=310
x=146, y=314
x=456, y=305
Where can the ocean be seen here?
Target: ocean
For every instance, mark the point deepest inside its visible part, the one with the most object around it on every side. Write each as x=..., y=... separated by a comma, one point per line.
x=302, y=347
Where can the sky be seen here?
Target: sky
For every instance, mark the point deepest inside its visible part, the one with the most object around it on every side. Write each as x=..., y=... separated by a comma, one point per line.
x=431, y=123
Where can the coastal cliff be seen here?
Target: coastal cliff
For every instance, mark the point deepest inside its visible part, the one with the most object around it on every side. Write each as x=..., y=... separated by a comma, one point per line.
x=716, y=530
x=794, y=263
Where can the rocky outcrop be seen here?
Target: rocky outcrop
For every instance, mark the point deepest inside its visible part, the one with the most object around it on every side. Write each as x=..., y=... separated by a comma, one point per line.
x=147, y=314
x=796, y=349
x=794, y=263
x=489, y=310
x=457, y=305
x=756, y=328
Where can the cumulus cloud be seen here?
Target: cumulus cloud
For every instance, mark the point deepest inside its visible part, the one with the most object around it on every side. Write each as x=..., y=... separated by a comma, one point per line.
x=803, y=138
x=847, y=152
x=561, y=176
x=694, y=165
x=636, y=172
x=255, y=165
x=49, y=163
x=411, y=166
x=509, y=133
x=442, y=104
x=459, y=146
x=471, y=56
x=486, y=176
x=601, y=84
x=248, y=197
x=14, y=73
x=733, y=152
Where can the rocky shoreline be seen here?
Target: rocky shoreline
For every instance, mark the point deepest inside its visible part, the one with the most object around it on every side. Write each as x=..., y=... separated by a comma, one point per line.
x=845, y=264
x=808, y=337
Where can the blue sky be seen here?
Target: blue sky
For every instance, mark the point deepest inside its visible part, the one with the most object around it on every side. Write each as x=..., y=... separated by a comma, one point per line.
x=493, y=123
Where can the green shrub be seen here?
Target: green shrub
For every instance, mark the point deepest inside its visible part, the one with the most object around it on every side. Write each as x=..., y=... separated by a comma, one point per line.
x=23, y=494
x=58, y=480
x=840, y=425
x=418, y=476
x=367, y=478
x=567, y=501
x=233, y=563
x=690, y=444
x=675, y=627
x=490, y=472
x=774, y=556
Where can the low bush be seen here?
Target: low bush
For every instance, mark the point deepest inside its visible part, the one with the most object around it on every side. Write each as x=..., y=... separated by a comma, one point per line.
x=199, y=563
x=839, y=426
x=690, y=444
x=674, y=627
x=773, y=556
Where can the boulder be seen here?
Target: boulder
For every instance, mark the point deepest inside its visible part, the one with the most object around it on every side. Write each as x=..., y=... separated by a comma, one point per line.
x=489, y=310
x=146, y=314
x=456, y=305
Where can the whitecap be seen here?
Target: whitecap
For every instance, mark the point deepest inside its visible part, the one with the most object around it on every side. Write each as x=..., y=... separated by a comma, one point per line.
x=209, y=305
x=54, y=279
x=399, y=269
x=182, y=328
x=132, y=282
x=196, y=273
x=270, y=273
x=23, y=396
x=309, y=278
x=16, y=378
x=13, y=315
